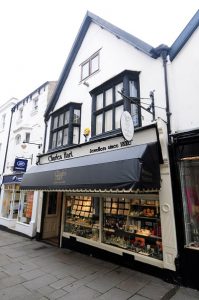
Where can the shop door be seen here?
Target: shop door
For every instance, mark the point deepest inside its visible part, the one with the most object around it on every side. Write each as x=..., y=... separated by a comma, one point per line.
x=51, y=223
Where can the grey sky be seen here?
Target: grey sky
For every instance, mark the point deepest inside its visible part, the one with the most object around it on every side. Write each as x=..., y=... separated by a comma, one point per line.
x=37, y=35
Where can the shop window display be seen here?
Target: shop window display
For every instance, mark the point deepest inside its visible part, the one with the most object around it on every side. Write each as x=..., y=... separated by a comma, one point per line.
x=11, y=201
x=133, y=224
x=189, y=175
x=25, y=207
x=82, y=217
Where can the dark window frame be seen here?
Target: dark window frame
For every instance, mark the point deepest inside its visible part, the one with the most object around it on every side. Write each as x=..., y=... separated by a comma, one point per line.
x=124, y=77
x=70, y=107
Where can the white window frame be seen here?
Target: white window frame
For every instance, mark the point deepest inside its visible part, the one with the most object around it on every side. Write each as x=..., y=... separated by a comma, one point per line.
x=88, y=63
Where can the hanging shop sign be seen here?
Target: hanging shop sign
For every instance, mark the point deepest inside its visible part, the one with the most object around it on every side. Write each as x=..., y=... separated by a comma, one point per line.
x=20, y=164
x=127, y=126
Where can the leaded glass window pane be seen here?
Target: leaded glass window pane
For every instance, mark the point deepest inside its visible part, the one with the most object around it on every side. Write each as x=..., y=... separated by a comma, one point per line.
x=59, y=138
x=66, y=121
x=55, y=123
x=65, y=137
x=99, y=101
x=132, y=89
x=99, y=120
x=109, y=120
x=54, y=140
x=76, y=116
x=75, y=135
x=109, y=96
x=61, y=120
x=118, y=87
x=118, y=111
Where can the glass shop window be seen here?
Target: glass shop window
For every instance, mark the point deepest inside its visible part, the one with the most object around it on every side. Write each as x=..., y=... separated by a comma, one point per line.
x=25, y=207
x=10, y=201
x=82, y=217
x=189, y=177
x=133, y=224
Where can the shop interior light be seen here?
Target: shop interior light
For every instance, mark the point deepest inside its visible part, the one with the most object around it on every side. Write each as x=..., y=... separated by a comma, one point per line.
x=190, y=158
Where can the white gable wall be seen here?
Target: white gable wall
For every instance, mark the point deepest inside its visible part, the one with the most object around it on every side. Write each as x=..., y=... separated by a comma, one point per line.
x=32, y=122
x=183, y=86
x=115, y=57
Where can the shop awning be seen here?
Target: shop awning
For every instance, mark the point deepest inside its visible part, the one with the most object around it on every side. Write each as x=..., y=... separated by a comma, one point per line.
x=127, y=168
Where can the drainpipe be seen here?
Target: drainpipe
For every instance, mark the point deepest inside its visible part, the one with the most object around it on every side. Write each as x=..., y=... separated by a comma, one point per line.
x=164, y=54
x=162, y=51
x=5, y=158
x=45, y=133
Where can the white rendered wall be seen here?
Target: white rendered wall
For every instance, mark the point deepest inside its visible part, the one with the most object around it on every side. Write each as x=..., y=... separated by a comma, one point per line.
x=5, y=109
x=115, y=57
x=32, y=122
x=183, y=74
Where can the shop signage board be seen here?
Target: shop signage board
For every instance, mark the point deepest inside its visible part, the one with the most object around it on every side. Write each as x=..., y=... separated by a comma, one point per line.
x=143, y=137
x=20, y=164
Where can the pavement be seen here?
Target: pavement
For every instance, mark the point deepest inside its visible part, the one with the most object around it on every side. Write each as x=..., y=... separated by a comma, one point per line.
x=35, y=270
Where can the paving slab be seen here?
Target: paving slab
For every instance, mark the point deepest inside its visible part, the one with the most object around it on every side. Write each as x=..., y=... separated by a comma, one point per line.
x=31, y=270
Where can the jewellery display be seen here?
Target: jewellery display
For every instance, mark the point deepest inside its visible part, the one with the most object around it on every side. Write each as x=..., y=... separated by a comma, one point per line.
x=81, y=218
x=135, y=228
x=132, y=224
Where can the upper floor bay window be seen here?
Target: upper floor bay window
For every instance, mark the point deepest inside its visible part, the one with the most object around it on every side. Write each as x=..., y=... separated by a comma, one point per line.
x=65, y=126
x=90, y=66
x=108, y=104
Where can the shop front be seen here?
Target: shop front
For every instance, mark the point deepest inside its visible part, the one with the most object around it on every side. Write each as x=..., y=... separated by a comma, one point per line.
x=112, y=196
x=17, y=206
x=186, y=161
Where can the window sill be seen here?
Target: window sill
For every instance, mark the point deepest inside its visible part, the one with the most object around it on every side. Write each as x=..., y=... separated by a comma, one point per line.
x=24, y=224
x=105, y=134
x=192, y=247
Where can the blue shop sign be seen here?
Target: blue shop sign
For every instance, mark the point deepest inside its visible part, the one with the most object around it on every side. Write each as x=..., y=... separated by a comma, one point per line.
x=12, y=179
x=20, y=164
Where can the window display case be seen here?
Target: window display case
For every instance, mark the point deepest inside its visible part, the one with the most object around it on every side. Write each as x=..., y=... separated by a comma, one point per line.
x=11, y=201
x=82, y=217
x=189, y=178
x=133, y=224
x=25, y=207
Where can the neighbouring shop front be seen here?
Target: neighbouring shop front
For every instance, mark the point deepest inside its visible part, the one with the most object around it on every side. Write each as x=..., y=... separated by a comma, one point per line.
x=17, y=206
x=186, y=162
x=112, y=196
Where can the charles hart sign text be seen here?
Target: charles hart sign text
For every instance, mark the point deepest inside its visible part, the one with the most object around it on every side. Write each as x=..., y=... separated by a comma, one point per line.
x=85, y=150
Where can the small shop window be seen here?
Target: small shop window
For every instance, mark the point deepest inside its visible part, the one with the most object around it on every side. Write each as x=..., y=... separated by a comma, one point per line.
x=189, y=177
x=10, y=201
x=82, y=217
x=25, y=207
